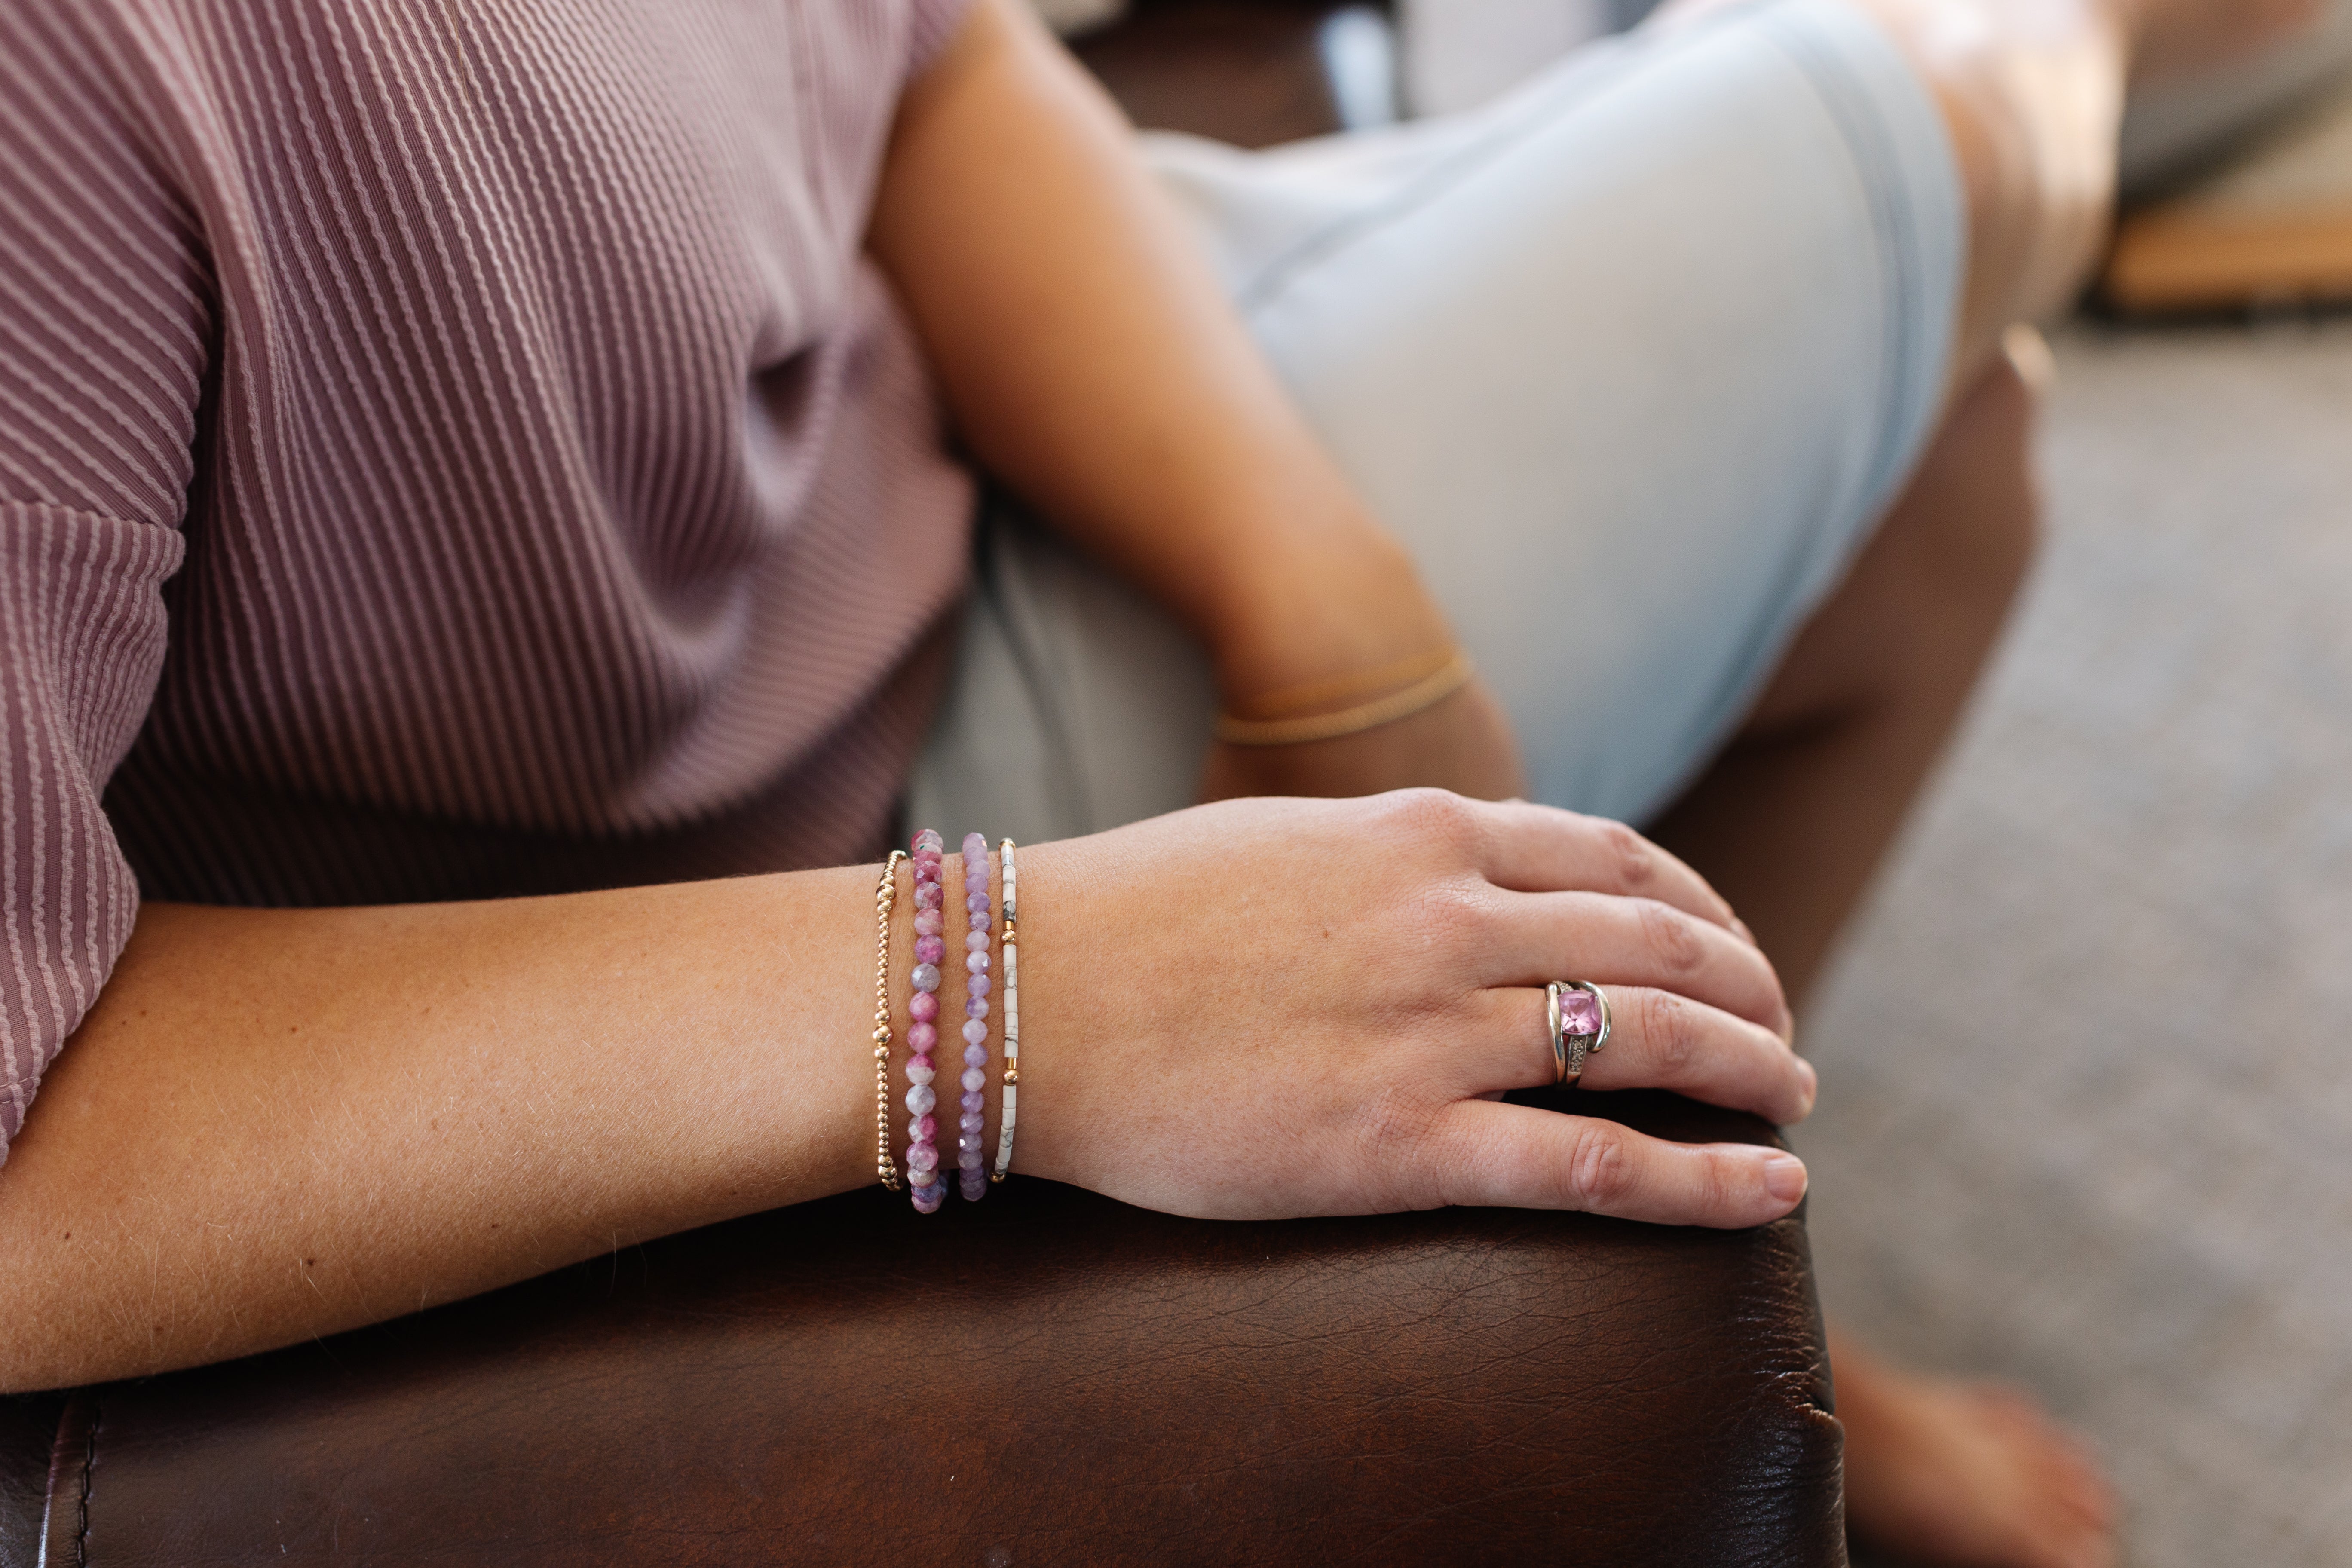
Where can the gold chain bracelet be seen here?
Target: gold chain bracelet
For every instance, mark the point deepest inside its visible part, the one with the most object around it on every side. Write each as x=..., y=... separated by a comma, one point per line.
x=886, y=898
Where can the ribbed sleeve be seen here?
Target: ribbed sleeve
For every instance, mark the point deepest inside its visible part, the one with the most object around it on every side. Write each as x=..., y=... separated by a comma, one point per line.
x=448, y=448
x=103, y=320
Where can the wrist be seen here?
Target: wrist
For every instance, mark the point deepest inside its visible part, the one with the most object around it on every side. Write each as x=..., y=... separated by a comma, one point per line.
x=1310, y=610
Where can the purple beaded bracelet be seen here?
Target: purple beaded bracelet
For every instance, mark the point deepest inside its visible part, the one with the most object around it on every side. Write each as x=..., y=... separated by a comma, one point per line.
x=981, y=921
x=923, y=1035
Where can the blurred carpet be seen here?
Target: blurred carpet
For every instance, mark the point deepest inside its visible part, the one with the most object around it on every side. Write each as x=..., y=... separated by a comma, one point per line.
x=2086, y=1114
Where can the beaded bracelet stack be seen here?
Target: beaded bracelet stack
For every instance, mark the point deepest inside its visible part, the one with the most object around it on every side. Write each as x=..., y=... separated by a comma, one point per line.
x=926, y=1174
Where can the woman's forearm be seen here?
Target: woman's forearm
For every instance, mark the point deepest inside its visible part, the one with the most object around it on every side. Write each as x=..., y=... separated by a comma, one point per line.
x=281, y=1123
x=1092, y=362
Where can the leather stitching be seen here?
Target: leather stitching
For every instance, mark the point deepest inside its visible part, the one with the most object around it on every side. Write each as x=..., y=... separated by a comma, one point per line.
x=89, y=1464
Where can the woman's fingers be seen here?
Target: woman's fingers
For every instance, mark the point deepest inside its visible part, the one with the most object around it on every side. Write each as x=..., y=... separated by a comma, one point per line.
x=1542, y=849
x=1660, y=1040
x=1516, y=1156
x=1635, y=942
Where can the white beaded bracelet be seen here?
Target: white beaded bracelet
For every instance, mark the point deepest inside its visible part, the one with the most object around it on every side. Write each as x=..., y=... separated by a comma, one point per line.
x=1012, y=1015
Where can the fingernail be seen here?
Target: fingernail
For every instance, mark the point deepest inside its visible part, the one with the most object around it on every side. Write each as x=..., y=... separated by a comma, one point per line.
x=1784, y=1178
x=1812, y=1083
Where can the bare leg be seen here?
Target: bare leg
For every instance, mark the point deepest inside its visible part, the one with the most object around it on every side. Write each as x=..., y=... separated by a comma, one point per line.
x=1792, y=819
x=1789, y=823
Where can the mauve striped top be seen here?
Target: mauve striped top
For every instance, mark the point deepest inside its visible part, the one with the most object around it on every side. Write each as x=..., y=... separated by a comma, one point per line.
x=447, y=449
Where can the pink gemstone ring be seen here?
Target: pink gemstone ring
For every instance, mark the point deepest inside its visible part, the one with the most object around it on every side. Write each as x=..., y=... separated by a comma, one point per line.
x=1578, y=1013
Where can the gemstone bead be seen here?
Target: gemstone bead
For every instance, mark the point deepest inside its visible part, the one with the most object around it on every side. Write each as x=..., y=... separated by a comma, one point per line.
x=1579, y=1014
x=974, y=1032
x=975, y=1055
x=975, y=844
x=973, y=961
x=968, y=1154
x=929, y=1199
x=929, y=922
x=920, y=1159
x=922, y=1038
x=927, y=977
x=928, y=838
x=923, y=1129
x=976, y=942
x=978, y=985
x=976, y=1008
x=928, y=895
x=969, y=1121
x=976, y=903
x=920, y=1099
x=924, y=1007
x=980, y=921
x=974, y=1100
x=930, y=949
x=973, y=1080
x=920, y=1069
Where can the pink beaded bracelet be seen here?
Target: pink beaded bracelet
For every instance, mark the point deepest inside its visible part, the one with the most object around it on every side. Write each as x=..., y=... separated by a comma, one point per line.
x=923, y=1035
x=981, y=921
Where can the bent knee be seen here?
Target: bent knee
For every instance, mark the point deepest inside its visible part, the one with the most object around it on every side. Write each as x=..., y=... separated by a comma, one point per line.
x=2031, y=92
x=1928, y=595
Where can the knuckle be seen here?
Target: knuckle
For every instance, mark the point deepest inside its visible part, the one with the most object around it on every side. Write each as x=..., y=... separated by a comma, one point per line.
x=1672, y=938
x=1455, y=918
x=1670, y=1028
x=1397, y=1123
x=1404, y=1140
x=1711, y=1180
x=1601, y=1171
x=1451, y=1170
x=1634, y=862
x=1433, y=816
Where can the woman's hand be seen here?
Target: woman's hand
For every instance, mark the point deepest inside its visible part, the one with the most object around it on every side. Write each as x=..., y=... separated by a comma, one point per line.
x=1269, y=1007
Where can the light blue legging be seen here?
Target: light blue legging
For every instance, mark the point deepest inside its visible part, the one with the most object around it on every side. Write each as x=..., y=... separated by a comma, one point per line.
x=1632, y=362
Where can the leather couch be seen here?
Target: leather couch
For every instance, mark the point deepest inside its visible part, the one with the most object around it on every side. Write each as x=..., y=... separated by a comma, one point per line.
x=1049, y=1378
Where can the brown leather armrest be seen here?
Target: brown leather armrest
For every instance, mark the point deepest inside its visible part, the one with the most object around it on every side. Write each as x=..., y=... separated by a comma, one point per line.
x=1047, y=1378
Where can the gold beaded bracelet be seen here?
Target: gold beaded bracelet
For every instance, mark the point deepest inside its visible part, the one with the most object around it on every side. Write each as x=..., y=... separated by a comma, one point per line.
x=886, y=898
